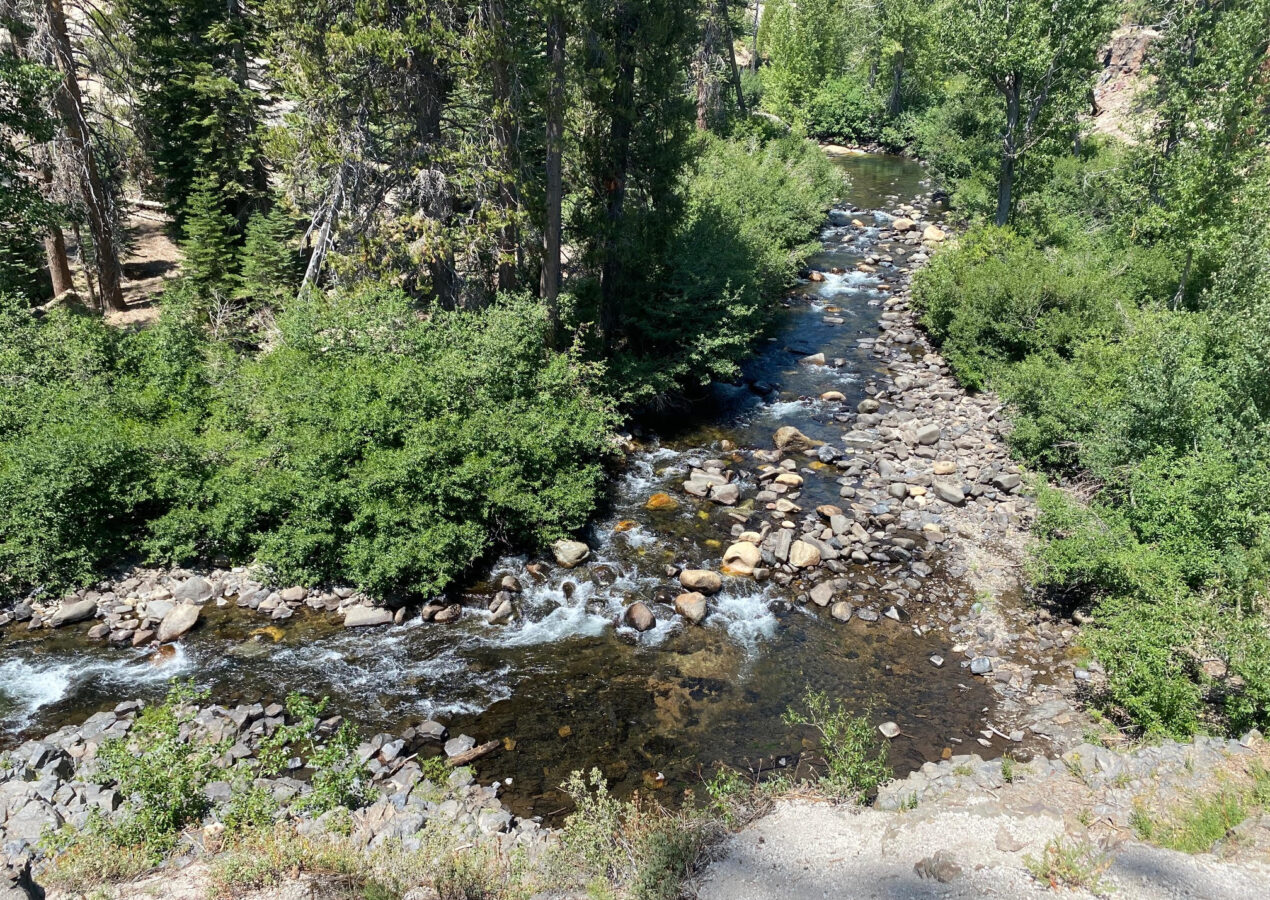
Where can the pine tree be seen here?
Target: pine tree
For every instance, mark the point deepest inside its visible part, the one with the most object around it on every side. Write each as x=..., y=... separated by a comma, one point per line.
x=211, y=254
x=268, y=270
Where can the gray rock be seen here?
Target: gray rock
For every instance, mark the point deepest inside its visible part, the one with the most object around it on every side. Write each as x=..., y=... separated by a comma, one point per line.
x=177, y=622
x=459, y=745
x=949, y=493
x=570, y=554
x=364, y=616
x=195, y=590
x=981, y=665
x=928, y=434
x=70, y=613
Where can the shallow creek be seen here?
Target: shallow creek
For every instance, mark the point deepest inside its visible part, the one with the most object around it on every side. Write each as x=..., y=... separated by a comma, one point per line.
x=562, y=685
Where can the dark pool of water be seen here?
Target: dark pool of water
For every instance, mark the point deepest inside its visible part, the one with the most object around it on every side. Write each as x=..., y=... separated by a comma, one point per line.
x=565, y=687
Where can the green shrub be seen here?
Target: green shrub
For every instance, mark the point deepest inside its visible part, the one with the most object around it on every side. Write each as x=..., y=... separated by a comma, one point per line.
x=855, y=757
x=844, y=111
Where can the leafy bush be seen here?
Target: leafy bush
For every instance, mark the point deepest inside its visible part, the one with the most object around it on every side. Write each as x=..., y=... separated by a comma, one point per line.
x=844, y=111
x=855, y=758
x=753, y=210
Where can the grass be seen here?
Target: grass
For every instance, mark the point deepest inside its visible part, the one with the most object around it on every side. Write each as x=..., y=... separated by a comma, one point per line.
x=1069, y=864
x=1196, y=825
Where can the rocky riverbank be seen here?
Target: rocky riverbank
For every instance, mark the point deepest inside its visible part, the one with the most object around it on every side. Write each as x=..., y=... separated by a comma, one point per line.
x=407, y=782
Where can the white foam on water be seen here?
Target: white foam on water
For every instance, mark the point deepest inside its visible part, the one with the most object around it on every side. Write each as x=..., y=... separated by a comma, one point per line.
x=782, y=408
x=846, y=283
x=27, y=686
x=747, y=618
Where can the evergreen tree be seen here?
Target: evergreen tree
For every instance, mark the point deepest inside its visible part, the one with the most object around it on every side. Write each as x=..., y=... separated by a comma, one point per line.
x=199, y=113
x=268, y=270
x=210, y=251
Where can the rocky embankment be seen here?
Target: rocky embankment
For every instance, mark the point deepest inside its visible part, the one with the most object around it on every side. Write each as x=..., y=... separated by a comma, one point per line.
x=969, y=828
x=51, y=784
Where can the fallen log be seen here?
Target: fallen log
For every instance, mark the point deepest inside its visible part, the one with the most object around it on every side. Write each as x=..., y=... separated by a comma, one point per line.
x=475, y=753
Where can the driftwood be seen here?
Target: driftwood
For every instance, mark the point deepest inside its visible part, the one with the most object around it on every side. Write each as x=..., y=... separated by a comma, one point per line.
x=475, y=753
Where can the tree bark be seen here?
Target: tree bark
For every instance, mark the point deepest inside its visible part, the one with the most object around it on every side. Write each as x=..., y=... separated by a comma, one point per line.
x=71, y=109
x=619, y=145
x=897, y=83
x=552, y=233
x=504, y=141
x=314, y=269
x=59, y=268
x=754, y=39
x=1009, y=151
x=727, y=39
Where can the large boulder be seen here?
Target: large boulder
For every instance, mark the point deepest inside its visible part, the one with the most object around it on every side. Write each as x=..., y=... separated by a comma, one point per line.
x=194, y=590
x=571, y=554
x=702, y=580
x=803, y=555
x=75, y=611
x=177, y=622
x=692, y=606
x=639, y=616
x=790, y=438
x=363, y=616
x=741, y=558
x=933, y=234
x=903, y=223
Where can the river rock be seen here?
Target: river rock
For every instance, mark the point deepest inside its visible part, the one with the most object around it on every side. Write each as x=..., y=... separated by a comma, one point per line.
x=1007, y=481
x=363, y=616
x=934, y=234
x=741, y=558
x=661, y=502
x=450, y=614
x=868, y=406
x=692, y=606
x=639, y=616
x=833, y=396
x=816, y=359
x=928, y=434
x=944, y=467
x=823, y=593
x=178, y=621
x=889, y=730
x=842, y=611
x=803, y=555
x=949, y=493
x=725, y=494
x=571, y=554
x=193, y=590
x=902, y=224
x=790, y=438
x=501, y=612
x=981, y=665
x=702, y=580
x=294, y=594
x=457, y=746
x=70, y=613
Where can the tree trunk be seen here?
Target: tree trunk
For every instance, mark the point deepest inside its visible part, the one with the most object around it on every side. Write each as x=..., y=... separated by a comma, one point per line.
x=59, y=268
x=551, y=238
x=71, y=109
x=1009, y=151
x=1180, y=294
x=754, y=39
x=727, y=39
x=314, y=269
x=897, y=83
x=504, y=142
x=619, y=146
x=55, y=249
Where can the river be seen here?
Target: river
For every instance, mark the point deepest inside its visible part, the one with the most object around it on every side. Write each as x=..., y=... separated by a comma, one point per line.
x=562, y=685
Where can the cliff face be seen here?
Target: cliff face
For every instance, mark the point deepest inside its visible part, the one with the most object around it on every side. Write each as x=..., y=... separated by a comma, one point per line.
x=1118, y=96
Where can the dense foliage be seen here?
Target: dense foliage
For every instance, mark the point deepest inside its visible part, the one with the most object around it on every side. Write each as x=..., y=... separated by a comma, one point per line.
x=1132, y=349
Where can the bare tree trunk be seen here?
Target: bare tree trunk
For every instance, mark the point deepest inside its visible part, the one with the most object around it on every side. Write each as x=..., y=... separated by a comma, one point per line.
x=619, y=142
x=727, y=39
x=55, y=250
x=897, y=81
x=59, y=268
x=699, y=72
x=550, y=286
x=1009, y=151
x=504, y=130
x=314, y=270
x=754, y=39
x=88, y=277
x=1180, y=294
x=71, y=108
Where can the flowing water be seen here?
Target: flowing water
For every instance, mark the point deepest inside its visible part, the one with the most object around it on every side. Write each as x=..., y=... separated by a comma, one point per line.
x=564, y=686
